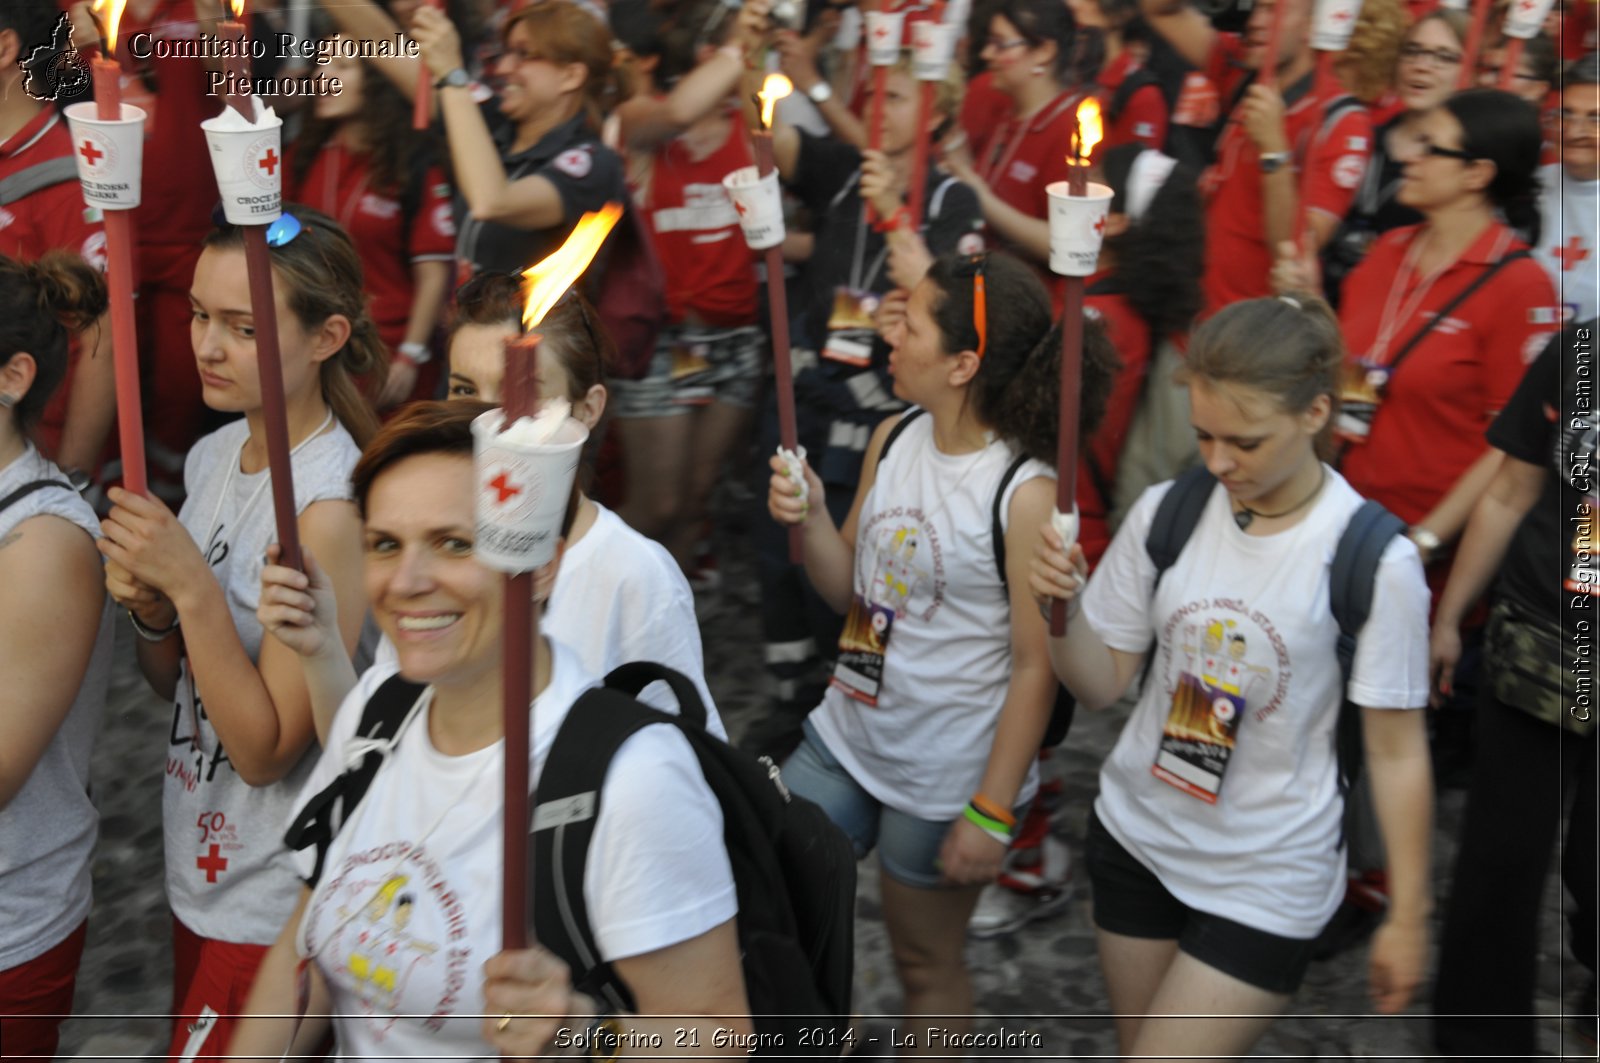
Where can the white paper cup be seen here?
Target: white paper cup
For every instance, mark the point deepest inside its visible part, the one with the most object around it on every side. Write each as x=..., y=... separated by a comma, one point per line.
x=249, y=168
x=933, y=46
x=884, y=34
x=1456, y=5
x=848, y=36
x=1525, y=18
x=1077, y=225
x=523, y=490
x=109, y=154
x=759, y=205
x=1333, y=23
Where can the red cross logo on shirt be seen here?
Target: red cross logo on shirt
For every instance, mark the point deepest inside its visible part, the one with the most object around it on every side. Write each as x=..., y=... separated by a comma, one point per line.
x=1571, y=253
x=90, y=153
x=502, y=486
x=213, y=863
x=269, y=163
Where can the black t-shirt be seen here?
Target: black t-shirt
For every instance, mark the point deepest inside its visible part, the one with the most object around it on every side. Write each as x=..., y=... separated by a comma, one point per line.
x=585, y=172
x=848, y=251
x=1550, y=567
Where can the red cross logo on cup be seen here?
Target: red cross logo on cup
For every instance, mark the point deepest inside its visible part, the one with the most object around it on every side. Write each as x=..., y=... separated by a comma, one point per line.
x=269, y=163
x=502, y=486
x=1340, y=16
x=90, y=153
x=1100, y=225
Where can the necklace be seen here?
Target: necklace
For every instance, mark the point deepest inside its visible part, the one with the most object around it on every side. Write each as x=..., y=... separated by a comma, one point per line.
x=1246, y=515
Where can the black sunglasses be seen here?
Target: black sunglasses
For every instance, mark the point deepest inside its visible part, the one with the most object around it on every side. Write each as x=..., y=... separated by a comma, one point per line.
x=1449, y=153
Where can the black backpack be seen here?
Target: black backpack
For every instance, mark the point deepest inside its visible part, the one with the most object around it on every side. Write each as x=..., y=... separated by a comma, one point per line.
x=1066, y=706
x=794, y=870
x=1352, y=577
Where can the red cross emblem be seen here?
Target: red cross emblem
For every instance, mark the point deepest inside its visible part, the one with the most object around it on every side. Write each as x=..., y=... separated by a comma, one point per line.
x=1100, y=225
x=269, y=163
x=741, y=208
x=880, y=31
x=1571, y=253
x=502, y=486
x=90, y=153
x=1340, y=16
x=213, y=863
x=1527, y=6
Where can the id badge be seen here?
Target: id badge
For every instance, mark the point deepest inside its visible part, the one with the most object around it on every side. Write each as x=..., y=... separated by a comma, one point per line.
x=689, y=360
x=1361, y=391
x=862, y=646
x=1198, y=740
x=851, y=326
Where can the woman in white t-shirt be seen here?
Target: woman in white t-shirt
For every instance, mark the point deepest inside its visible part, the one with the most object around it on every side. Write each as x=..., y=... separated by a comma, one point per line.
x=241, y=724
x=55, y=652
x=402, y=930
x=1215, y=845
x=925, y=742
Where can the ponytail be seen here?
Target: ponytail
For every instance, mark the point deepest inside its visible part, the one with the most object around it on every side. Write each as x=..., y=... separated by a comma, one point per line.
x=41, y=303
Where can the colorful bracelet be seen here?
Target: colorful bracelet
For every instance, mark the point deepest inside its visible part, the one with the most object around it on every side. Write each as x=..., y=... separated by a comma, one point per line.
x=994, y=810
x=992, y=827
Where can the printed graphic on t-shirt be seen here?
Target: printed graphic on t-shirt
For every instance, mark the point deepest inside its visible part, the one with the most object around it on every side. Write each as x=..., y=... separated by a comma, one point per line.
x=902, y=558
x=1222, y=673
x=194, y=766
x=391, y=920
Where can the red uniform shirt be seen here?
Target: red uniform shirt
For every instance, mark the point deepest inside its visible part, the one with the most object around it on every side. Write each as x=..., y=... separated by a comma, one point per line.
x=1131, y=337
x=984, y=110
x=52, y=218
x=339, y=183
x=1329, y=157
x=1023, y=158
x=1437, y=405
x=709, y=268
x=1143, y=117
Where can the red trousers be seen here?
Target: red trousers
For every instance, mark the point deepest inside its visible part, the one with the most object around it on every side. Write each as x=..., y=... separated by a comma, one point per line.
x=208, y=973
x=36, y=996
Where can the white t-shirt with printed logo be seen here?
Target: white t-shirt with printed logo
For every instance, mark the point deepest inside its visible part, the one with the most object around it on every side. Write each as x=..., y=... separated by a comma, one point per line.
x=228, y=875
x=408, y=907
x=1251, y=612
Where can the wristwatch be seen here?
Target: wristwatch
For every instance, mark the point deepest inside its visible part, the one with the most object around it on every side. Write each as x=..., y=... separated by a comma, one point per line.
x=1428, y=544
x=820, y=93
x=1273, y=161
x=415, y=353
x=456, y=79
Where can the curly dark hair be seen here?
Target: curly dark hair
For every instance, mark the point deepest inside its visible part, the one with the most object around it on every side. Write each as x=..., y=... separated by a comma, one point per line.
x=1017, y=388
x=396, y=149
x=1160, y=258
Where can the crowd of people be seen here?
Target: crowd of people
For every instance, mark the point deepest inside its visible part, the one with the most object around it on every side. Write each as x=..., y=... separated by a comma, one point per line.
x=1332, y=544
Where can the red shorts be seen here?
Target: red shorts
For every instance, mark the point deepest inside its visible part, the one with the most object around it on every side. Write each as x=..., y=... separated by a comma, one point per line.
x=209, y=974
x=41, y=989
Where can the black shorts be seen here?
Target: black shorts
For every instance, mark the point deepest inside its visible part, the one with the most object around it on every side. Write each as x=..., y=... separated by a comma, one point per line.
x=1130, y=900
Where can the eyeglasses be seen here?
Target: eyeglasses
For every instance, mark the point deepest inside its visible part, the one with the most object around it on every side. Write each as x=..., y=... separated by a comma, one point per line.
x=280, y=232
x=1416, y=53
x=1436, y=151
x=1492, y=73
x=1005, y=46
x=980, y=301
x=1583, y=118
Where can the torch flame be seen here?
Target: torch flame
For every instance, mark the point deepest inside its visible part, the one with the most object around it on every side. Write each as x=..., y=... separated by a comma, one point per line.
x=548, y=280
x=237, y=7
x=110, y=13
x=775, y=88
x=1089, y=129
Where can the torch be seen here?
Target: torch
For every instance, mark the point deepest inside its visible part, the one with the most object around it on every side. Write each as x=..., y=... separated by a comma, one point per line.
x=932, y=46
x=1474, y=44
x=1077, y=223
x=108, y=147
x=245, y=142
x=756, y=199
x=1333, y=23
x=885, y=29
x=1524, y=19
x=525, y=460
x=421, y=103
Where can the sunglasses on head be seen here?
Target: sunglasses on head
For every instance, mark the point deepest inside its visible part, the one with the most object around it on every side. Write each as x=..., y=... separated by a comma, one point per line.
x=973, y=266
x=280, y=232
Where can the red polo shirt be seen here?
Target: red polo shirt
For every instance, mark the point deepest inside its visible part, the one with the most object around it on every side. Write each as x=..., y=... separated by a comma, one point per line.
x=1430, y=426
x=53, y=218
x=984, y=110
x=339, y=183
x=1143, y=117
x=710, y=270
x=1024, y=157
x=1329, y=157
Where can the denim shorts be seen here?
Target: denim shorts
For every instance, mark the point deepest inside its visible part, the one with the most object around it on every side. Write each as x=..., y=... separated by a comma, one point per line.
x=908, y=847
x=693, y=366
x=1130, y=900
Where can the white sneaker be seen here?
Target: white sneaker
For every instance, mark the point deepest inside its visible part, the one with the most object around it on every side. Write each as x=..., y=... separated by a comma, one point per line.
x=1021, y=895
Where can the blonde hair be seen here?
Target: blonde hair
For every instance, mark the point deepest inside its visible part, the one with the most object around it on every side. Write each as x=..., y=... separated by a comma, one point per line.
x=1371, y=58
x=949, y=92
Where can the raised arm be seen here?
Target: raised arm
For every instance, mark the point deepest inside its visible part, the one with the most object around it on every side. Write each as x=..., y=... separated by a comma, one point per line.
x=365, y=20
x=1188, y=31
x=54, y=599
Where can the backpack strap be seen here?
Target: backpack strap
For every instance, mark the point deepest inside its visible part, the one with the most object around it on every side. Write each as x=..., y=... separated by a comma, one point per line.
x=1351, y=583
x=1449, y=308
x=564, y=818
x=27, y=181
x=1176, y=518
x=997, y=529
x=383, y=718
x=1137, y=79
x=29, y=488
x=900, y=426
x=633, y=677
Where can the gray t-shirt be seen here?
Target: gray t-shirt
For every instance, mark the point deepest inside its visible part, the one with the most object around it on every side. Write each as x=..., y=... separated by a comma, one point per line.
x=47, y=832
x=229, y=877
